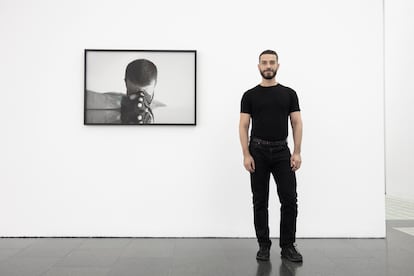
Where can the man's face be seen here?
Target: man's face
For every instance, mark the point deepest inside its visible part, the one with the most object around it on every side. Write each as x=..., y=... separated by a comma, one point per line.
x=268, y=66
x=133, y=89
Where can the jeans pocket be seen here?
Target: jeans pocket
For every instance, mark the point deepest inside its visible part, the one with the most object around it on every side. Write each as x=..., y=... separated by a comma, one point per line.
x=256, y=148
x=254, y=145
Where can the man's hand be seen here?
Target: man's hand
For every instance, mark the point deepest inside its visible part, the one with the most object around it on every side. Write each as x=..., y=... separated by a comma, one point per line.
x=249, y=163
x=295, y=161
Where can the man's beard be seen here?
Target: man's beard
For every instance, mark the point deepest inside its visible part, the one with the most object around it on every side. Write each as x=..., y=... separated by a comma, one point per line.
x=268, y=77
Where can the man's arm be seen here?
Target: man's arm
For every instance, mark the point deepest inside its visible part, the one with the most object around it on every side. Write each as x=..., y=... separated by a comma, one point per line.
x=244, y=141
x=297, y=126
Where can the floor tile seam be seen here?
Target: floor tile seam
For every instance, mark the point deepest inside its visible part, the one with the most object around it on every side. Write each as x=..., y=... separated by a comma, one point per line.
x=198, y=272
x=57, y=265
x=49, y=269
x=99, y=248
x=17, y=253
x=148, y=247
x=26, y=247
x=71, y=248
x=344, y=264
x=93, y=254
x=64, y=257
x=80, y=267
x=199, y=267
x=19, y=248
x=115, y=267
x=50, y=247
x=135, y=255
x=120, y=254
x=328, y=258
x=35, y=257
x=43, y=271
x=75, y=268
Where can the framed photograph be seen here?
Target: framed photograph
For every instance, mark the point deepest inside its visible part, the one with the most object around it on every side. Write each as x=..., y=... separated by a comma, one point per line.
x=140, y=87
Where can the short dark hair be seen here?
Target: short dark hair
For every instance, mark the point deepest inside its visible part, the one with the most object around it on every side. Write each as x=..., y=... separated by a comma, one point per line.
x=269, y=52
x=141, y=71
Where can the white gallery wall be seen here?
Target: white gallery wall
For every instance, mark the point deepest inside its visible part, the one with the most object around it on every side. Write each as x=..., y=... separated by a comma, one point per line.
x=62, y=178
x=399, y=88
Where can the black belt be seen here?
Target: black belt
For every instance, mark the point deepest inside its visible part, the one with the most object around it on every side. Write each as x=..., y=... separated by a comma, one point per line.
x=270, y=143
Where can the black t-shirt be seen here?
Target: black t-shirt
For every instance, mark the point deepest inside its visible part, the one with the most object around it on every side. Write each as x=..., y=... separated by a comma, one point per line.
x=269, y=108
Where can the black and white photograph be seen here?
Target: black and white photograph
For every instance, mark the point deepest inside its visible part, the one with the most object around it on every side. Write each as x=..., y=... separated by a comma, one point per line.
x=140, y=87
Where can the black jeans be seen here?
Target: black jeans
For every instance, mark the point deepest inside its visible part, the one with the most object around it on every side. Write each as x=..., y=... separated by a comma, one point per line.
x=275, y=160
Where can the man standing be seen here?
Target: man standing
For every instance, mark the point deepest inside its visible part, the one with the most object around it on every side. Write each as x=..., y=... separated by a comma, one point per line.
x=269, y=106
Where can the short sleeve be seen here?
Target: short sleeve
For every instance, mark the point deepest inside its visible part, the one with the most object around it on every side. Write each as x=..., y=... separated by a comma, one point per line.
x=246, y=105
x=294, y=102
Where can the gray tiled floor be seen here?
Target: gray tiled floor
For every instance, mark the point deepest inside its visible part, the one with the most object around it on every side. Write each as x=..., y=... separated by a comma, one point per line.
x=202, y=257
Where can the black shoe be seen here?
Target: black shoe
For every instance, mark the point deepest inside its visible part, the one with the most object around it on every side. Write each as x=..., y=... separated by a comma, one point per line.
x=263, y=254
x=290, y=253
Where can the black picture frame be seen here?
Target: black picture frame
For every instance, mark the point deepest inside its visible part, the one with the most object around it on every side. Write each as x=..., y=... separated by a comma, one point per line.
x=140, y=87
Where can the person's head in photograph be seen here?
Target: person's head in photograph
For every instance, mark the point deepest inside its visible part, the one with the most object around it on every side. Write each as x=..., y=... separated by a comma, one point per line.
x=141, y=78
x=268, y=64
x=140, y=81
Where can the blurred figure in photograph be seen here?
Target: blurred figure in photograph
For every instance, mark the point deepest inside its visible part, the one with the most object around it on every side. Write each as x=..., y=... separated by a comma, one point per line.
x=134, y=107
